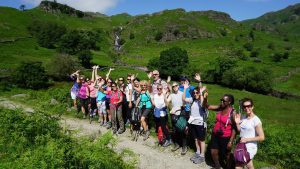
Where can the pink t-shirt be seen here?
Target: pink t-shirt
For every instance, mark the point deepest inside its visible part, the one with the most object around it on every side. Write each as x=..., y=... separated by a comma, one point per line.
x=221, y=120
x=115, y=96
x=93, y=91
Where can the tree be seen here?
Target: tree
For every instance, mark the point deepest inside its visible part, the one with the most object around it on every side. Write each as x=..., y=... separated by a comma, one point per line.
x=158, y=36
x=85, y=57
x=171, y=62
x=248, y=46
x=31, y=75
x=22, y=7
x=222, y=64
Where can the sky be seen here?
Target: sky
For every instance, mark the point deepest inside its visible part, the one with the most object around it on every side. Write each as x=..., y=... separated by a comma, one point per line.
x=237, y=9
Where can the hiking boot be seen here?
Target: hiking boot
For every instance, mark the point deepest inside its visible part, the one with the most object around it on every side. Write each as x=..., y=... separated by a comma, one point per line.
x=114, y=131
x=199, y=160
x=184, y=150
x=167, y=143
x=101, y=123
x=120, y=131
x=195, y=156
x=108, y=125
x=84, y=117
x=176, y=147
x=147, y=134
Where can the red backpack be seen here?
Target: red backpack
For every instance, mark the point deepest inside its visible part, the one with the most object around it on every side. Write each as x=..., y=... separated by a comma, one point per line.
x=160, y=135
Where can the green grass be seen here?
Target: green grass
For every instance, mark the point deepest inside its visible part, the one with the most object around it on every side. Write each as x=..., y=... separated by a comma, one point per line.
x=291, y=86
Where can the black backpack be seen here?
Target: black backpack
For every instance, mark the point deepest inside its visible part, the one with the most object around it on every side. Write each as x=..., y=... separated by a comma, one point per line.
x=135, y=118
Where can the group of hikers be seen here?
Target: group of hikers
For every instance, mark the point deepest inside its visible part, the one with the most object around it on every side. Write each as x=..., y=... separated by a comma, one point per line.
x=135, y=101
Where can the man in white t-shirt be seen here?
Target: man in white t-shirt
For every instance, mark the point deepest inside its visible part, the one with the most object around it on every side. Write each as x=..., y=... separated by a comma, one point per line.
x=129, y=98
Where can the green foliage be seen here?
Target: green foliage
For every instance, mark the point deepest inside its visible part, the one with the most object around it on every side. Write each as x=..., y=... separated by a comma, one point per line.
x=271, y=46
x=222, y=64
x=223, y=32
x=281, y=146
x=48, y=34
x=154, y=63
x=248, y=78
x=131, y=35
x=254, y=53
x=85, y=57
x=158, y=36
x=171, y=62
x=31, y=75
x=62, y=8
x=61, y=66
x=286, y=55
x=248, y=46
x=37, y=141
x=252, y=35
x=76, y=41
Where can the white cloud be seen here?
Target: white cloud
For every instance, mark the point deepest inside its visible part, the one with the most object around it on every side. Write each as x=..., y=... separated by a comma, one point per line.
x=83, y=5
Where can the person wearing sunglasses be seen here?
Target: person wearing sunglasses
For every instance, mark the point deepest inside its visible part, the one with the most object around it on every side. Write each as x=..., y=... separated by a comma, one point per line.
x=197, y=119
x=224, y=131
x=156, y=80
x=75, y=88
x=250, y=128
x=129, y=102
x=145, y=104
x=107, y=102
x=159, y=101
x=83, y=95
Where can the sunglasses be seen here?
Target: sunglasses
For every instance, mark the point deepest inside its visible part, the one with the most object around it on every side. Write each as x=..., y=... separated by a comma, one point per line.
x=143, y=85
x=128, y=79
x=222, y=100
x=159, y=88
x=247, y=106
x=196, y=92
x=155, y=74
x=120, y=79
x=175, y=86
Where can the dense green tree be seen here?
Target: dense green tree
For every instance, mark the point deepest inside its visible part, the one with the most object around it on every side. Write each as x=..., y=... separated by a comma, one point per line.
x=85, y=57
x=158, y=36
x=31, y=75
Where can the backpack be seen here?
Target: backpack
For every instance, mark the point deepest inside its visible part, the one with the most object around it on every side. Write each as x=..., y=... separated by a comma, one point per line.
x=160, y=136
x=241, y=155
x=203, y=113
x=135, y=118
x=181, y=123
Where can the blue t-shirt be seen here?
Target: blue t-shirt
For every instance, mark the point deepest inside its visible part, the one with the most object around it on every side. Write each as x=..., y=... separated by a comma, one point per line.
x=145, y=100
x=187, y=106
x=101, y=96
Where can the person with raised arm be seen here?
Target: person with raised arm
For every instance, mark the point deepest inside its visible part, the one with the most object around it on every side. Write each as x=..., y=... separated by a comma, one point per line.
x=251, y=130
x=107, y=101
x=75, y=88
x=156, y=80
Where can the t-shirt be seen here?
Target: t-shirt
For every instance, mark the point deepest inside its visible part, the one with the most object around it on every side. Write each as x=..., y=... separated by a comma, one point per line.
x=248, y=130
x=129, y=87
x=159, y=101
x=177, y=102
x=115, y=96
x=195, y=117
x=75, y=86
x=108, y=89
x=155, y=83
x=223, y=121
x=83, y=91
x=101, y=96
x=187, y=106
x=93, y=91
x=145, y=100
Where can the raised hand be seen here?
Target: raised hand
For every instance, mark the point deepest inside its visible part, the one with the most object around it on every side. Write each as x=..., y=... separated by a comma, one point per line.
x=169, y=79
x=202, y=89
x=197, y=77
x=237, y=118
x=205, y=95
x=150, y=74
x=132, y=77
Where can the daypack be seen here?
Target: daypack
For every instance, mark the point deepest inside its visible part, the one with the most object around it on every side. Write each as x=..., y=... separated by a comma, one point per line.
x=160, y=136
x=135, y=118
x=181, y=123
x=241, y=155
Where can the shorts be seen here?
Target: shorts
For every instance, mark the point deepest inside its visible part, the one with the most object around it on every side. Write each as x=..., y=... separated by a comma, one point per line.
x=73, y=95
x=146, y=112
x=93, y=103
x=101, y=107
x=84, y=102
x=198, y=131
x=252, y=150
x=220, y=143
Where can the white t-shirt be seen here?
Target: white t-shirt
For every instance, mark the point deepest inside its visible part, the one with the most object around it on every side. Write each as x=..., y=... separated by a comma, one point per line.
x=129, y=87
x=248, y=131
x=177, y=102
x=195, y=117
x=159, y=103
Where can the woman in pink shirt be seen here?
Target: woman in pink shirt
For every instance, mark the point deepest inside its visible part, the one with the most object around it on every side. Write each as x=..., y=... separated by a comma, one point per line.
x=223, y=132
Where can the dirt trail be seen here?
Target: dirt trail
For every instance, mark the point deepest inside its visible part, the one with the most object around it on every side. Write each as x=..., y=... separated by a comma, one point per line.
x=150, y=155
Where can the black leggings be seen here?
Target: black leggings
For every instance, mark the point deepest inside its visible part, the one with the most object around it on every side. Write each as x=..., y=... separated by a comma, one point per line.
x=162, y=122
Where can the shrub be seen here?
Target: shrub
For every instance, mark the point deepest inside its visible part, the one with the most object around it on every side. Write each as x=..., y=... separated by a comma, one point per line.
x=131, y=35
x=271, y=46
x=223, y=32
x=48, y=34
x=158, y=36
x=31, y=75
x=248, y=46
x=174, y=60
x=285, y=55
x=62, y=66
x=277, y=57
x=254, y=53
x=85, y=57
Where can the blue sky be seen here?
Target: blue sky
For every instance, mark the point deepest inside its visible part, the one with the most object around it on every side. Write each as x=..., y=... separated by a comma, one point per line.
x=238, y=9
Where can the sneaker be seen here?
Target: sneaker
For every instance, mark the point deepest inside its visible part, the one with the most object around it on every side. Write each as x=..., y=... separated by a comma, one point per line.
x=195, y=156
x=167, y=143
x=176, y=147
x=114, y=131
x=84, y=117
x=199, y=160
x=147, y=134
x=184, y=150
x=108, y=125
x=101, y=123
